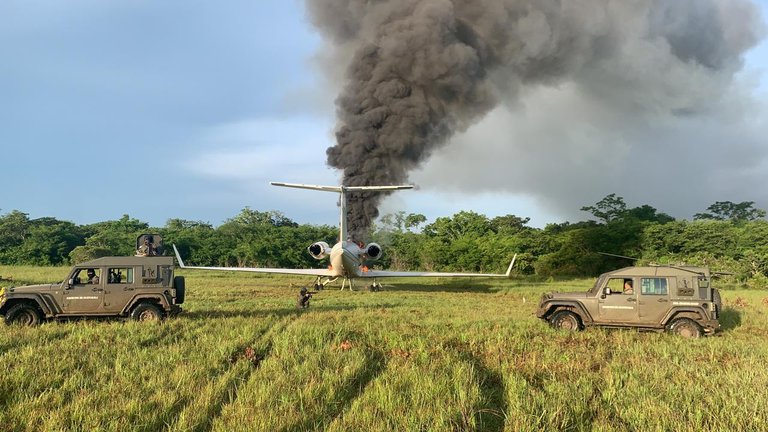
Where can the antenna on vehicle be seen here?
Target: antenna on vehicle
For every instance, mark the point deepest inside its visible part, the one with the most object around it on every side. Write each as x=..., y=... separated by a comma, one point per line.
x=619, y=256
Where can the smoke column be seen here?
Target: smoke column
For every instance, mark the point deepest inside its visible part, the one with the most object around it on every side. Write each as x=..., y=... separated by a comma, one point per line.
x=420, y=71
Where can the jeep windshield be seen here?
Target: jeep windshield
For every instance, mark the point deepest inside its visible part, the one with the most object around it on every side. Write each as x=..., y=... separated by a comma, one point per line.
x=598, y=283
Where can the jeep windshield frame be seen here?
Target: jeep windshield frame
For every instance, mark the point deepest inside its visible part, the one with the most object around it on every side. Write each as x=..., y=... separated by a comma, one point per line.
x=598, y=284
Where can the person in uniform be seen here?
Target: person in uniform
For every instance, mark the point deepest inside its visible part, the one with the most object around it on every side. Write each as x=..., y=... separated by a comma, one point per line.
x=145, y=249
x=628, y=287
x=92, y=278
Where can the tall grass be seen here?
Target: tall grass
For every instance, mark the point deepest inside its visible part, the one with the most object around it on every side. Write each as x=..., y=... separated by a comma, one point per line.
x=438, y=355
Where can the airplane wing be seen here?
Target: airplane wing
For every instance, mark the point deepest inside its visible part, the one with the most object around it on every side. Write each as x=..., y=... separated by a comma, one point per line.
x=385, y=273
x=305, y=272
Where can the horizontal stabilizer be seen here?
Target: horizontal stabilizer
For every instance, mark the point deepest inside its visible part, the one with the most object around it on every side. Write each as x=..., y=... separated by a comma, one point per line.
x=342, y=188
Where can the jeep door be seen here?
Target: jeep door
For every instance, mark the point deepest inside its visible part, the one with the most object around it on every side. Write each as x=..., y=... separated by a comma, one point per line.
x=620, y=304
x=653, y=302
x=120, y=288
x=84, y=292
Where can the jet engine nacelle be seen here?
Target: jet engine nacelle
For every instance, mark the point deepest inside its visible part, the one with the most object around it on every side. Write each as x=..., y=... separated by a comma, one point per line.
x=319, y=250
x=373, y=251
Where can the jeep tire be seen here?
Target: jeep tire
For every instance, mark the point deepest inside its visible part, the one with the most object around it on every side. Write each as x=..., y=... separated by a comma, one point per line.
x=23, y=314
x=146, y=312
x=178, y=283
x=685, y=327
x=565, y=320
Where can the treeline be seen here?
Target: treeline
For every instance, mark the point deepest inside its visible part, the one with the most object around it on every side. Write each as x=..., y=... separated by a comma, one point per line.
x=727, y=237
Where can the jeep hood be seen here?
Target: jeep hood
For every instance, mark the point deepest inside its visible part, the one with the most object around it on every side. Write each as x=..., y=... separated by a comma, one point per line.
x=31, y=288
x=569, y=295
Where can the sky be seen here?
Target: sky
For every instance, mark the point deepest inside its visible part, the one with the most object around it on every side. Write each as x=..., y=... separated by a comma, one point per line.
x=188, y=109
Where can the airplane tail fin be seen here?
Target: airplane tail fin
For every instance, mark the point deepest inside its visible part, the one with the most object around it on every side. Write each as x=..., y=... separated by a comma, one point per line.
x=178, y=257
x=509, y=269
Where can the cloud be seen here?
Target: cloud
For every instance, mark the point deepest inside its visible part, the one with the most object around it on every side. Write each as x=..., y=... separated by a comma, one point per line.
x=264, y=148
x=568, y=147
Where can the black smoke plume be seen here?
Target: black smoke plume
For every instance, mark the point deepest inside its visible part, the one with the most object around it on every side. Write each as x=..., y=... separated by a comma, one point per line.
x=421, y=70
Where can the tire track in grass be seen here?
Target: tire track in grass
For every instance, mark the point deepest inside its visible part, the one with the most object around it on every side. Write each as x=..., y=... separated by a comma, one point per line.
x=48, y=333
x=596, y=398
x=491, y=413
x=166, y=333
x=375, y=364
x=596, y=402
x=200, y=415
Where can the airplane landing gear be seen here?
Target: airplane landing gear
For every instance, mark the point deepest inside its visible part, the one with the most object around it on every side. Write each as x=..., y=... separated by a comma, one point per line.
x=344, y=282
x=320, y=283
x=375, y=286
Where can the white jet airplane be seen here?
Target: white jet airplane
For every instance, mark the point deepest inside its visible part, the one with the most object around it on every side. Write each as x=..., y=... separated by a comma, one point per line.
x=347, y=257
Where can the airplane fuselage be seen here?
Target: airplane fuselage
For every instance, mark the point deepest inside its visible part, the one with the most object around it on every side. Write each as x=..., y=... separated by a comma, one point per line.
x=346, y=259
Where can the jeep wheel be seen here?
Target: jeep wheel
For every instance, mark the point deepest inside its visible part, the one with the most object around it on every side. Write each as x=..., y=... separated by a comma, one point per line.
x=23, y=314
x=146, y=312
x=178, y=283
x=685, y=327
x=565, y=320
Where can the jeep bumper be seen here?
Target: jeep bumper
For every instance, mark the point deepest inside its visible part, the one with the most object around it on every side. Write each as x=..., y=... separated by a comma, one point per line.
x=175, y=310
x=711, y=326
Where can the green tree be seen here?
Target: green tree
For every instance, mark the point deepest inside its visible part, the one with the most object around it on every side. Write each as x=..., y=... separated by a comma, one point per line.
x=607, y=209
x=116, y=237
x=400, y=221
x=461, y=224
x=649, y=214
x=509, y=224
x=49, y=242
x=14, y=228
x=727, y=210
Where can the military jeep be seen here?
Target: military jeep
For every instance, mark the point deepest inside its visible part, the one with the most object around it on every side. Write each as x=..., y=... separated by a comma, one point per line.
x=140, y=287
x=679, y=300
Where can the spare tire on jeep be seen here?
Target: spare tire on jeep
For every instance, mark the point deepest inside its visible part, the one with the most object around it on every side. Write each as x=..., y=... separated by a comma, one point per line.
x=178, y=283
x=718, y=301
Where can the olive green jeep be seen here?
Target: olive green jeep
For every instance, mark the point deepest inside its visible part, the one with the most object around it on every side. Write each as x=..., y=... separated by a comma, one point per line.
x=679, y=300
x=140, y=287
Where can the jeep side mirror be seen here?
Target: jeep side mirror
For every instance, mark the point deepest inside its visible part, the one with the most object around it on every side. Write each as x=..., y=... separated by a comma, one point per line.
x=607, y=290
x=70, y=283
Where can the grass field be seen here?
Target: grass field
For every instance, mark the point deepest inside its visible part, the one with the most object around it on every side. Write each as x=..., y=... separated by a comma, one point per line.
x=439, y=355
